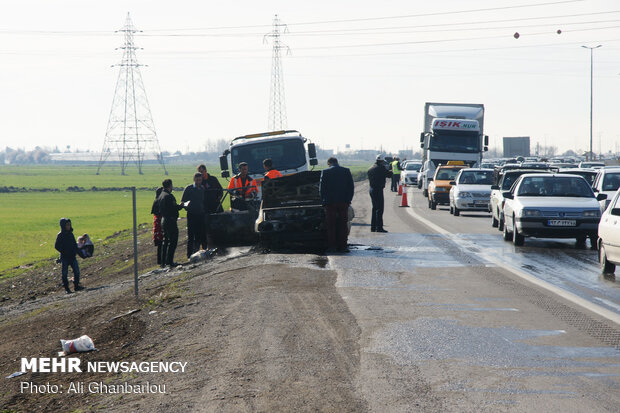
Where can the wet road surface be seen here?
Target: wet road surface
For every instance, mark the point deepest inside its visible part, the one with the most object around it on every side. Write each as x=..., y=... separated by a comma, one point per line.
x=448, y=324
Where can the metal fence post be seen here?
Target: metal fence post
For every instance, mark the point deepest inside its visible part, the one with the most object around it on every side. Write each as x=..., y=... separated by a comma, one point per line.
x=135, y=242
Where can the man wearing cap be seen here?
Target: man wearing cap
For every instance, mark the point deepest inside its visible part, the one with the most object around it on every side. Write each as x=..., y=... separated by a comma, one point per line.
x=377, y=174
x=243, y=187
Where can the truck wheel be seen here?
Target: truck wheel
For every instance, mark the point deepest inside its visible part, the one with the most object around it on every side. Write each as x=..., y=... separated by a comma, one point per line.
x=606, y=266
x=507, y=235
x=517, y=239
x=494, y=221
x=457, y=212
x=425, y=192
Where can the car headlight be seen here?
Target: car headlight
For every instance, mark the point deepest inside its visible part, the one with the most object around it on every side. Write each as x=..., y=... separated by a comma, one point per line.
x=531, y=213
x=464, y=195
x=595, y=213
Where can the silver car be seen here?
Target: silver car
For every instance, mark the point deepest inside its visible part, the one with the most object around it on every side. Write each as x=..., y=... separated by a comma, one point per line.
x=471, y=190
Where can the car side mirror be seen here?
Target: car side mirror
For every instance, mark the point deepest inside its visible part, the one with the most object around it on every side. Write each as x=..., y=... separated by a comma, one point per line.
x=494, y=187
x=223, y=163
x=508, y=195
x=314, y=162
x=601, y=197
x=422, y=145
x=486, y=148
x=486, y=141
x=421, y=137
x=311, y=151
x=452, y=182
x=615, y=211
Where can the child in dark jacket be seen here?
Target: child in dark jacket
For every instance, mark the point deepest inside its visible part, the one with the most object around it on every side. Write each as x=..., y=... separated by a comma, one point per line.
x=66, y=245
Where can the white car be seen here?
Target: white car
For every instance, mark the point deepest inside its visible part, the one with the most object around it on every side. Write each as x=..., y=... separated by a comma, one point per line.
x=607, y=182
x=471, y=190
x=609, y=237
x=551, y=206
x=506, y=179
x=409, y=174
x=591, y=164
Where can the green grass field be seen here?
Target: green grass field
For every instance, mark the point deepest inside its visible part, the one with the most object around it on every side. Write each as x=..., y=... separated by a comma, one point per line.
x=30, y=219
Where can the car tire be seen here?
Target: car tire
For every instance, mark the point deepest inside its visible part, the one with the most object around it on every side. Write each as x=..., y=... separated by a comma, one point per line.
x=593, y=241
x=433, y=205
x=606, y=266
x=500, y=222
x=457, y=212
x=494, y=221
x=429, y=203
x=425, y=193
x=507, y=235
x=581, y=241
x=451, y=210
x=517, y=239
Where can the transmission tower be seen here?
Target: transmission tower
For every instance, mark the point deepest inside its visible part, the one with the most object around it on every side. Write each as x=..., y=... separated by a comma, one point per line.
x=131, y=133
x=277, y=107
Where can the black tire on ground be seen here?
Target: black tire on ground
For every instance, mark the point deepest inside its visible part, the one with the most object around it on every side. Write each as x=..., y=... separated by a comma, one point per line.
x=457, y=212
x=593, y=241
x=606, y=266
x=500, y=224
x=507, y=235
x=433, y=205
x=494, y=221
x=581, y=241
x=517, y=239
x=429, y=203
x=451, y=210
x=425, y=193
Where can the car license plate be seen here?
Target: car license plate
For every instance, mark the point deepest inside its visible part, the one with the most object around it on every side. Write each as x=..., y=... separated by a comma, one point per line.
x=562, y=223
x=481, y=202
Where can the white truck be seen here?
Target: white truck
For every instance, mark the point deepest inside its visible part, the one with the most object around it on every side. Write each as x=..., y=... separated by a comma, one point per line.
x=452, y=132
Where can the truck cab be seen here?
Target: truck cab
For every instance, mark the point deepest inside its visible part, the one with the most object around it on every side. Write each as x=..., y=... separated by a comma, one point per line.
x=288, y=149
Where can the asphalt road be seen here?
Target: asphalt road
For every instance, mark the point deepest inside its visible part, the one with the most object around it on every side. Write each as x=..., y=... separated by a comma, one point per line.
x=453, y=318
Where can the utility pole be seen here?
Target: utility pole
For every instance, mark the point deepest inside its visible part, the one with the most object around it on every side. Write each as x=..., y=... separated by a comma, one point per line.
x=131, y=132
x=277, y=107
x=591, y=91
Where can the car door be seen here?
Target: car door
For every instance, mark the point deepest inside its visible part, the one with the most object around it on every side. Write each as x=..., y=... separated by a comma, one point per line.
x=609, y=229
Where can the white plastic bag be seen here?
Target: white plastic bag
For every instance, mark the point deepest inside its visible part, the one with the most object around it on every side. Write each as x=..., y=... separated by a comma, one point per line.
x=78, y=345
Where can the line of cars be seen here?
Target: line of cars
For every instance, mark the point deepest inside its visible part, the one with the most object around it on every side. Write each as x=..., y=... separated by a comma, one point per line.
x=535, y=200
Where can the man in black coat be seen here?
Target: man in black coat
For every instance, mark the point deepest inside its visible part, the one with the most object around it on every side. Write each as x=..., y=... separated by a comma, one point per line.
x=377, y=174
x=336, y=190
x=169, y=210
x=66, y=245
x=194, y=195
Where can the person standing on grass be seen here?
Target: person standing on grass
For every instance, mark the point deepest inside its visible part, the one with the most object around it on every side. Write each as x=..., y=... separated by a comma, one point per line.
x=377, y=174
x=194, y=197
x=336, y=190
x=158, y=235
x=169, y=210
x=67, y=247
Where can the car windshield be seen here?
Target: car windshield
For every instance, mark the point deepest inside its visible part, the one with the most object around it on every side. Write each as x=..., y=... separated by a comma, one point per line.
x=447, y=174
x=476, y=177
x=587, y=175
x=413, y=167
x=611, y=182
x=568, y=186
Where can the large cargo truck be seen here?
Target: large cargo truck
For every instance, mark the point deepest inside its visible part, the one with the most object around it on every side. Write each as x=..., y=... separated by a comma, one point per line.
x=452, y=132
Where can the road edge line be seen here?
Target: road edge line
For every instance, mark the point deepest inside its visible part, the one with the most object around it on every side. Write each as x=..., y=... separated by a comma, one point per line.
x=575, y=299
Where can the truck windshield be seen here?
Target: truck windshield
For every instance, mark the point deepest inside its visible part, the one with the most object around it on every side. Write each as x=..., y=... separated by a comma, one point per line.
x=452, y=141
x=285, y=154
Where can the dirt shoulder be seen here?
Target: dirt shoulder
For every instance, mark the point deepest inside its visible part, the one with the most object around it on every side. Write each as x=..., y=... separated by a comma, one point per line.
x=259, y=332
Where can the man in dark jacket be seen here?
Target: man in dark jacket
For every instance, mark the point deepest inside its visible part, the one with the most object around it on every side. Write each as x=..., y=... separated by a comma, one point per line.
x=213, y=190
x=66, y=245
x=336, y=190
x=195, y=195
x=377, y=174
x=169, y=211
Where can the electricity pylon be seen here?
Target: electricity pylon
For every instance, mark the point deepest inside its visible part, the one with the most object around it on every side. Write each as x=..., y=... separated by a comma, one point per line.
x=131, y=133
x=277, y=107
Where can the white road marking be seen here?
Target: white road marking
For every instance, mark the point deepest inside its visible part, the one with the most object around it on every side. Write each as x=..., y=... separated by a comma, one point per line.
x=603, y=312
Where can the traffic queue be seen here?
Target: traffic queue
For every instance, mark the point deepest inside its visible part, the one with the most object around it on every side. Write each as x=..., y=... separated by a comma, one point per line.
x=536, y=199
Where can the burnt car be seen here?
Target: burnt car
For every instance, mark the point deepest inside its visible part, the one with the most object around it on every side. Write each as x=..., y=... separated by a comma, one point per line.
x=291, y=213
